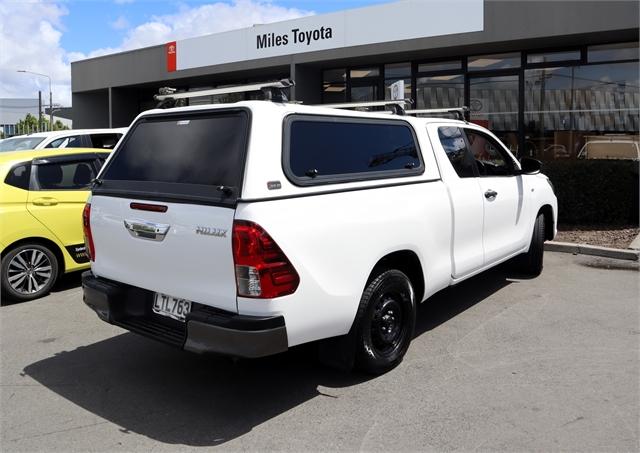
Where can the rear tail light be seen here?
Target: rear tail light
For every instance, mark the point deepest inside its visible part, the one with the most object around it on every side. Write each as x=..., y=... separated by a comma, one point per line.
x=86, y=229
x=262, y=269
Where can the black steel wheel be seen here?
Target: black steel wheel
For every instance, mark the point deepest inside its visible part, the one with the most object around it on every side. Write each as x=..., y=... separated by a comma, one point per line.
x=385, y=322
x=28, y=272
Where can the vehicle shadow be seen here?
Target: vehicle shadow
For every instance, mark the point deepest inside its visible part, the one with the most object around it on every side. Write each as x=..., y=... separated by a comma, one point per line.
x=452, y=301
x=181, y=398
x=68, y=281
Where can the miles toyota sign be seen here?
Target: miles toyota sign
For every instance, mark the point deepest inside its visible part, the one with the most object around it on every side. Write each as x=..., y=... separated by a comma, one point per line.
x=408, y=19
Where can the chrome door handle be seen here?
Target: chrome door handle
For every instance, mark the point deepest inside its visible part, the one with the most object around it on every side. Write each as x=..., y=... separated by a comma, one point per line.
x=490, y=194
x=147, y=230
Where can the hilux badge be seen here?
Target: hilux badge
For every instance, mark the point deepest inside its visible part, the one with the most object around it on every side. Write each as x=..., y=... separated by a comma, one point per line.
x=207, y=231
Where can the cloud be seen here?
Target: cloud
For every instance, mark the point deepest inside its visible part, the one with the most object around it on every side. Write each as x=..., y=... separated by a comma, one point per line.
x=31, y=39
x=30, y=35
x=120, y=23
x=201, y=20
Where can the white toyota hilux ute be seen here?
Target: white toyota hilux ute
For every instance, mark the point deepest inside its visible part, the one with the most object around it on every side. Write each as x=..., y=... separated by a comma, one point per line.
x=245, y=229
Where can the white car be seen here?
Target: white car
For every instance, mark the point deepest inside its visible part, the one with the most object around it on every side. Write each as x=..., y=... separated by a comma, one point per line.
x=249, y=228
x=71, y=138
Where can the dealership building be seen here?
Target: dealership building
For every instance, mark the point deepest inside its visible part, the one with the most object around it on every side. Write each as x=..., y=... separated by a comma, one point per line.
x=548, y=77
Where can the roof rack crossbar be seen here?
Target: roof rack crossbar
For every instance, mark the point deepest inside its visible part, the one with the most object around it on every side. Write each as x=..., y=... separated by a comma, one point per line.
x=273, y=91
x=461, y=112
x=397, y=105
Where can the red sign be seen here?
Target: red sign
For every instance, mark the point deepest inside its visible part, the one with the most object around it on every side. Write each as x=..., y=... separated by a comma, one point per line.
x=483, y=123
x=172, y=50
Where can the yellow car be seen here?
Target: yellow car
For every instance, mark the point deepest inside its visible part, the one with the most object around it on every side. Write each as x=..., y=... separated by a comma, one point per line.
x=42, y=195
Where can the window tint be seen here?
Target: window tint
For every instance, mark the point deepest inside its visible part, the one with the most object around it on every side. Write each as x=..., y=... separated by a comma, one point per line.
x=489, y=155
x=65, y=175
x=19, y=176
x=106, y=141
x=330, y=147
x=193, y=149
x=454, y=145
x=74, y=141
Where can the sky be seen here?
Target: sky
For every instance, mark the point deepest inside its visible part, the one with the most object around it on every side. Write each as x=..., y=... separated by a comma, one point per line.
x=45, y=36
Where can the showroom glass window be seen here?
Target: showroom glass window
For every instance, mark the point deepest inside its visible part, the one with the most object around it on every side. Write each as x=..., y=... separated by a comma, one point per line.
x=334, y=86
x=587, y=108
x=397, y=81
x=494, y=87
x=439, y=85
x=494, y=104
x=365, y=84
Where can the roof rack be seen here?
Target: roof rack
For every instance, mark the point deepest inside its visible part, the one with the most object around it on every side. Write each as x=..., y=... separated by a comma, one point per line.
x=461, y=112
x=397, y=105
x=273, y=91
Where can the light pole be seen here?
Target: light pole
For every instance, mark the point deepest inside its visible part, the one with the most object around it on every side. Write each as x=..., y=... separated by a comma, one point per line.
x=50, y=95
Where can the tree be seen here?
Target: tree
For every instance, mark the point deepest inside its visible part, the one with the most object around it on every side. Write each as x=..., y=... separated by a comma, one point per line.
x=27, y=125
x=30, y=124
x=58, y=126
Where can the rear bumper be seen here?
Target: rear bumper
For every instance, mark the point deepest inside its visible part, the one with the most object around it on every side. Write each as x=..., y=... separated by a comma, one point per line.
x=206, y=329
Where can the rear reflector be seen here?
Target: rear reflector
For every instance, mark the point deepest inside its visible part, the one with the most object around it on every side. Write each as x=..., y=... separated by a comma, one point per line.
x=86, y=229
x=149, y=207
x=262, y=269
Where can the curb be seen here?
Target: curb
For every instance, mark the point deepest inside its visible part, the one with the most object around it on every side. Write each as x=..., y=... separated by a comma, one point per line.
x=584, y=249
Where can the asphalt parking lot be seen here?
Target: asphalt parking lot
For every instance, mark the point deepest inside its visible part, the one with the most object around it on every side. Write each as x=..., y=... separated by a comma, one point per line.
x=497, y=364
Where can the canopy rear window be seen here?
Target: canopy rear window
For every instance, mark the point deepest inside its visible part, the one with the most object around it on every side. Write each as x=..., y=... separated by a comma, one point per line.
x=186, y=156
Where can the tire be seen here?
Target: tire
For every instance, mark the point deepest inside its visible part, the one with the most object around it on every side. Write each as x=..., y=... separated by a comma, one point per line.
x=384, y=323
x=531, y=262
x=29, y=271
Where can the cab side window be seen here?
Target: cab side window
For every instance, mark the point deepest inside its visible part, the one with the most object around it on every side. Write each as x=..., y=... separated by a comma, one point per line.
x=74, y=141
x=454, y=144
x=65, y=175
x=105, y=141
x=490, y=157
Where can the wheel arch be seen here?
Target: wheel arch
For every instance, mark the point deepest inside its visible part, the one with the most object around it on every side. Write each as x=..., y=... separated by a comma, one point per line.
x=406, y=261
x=55, y=248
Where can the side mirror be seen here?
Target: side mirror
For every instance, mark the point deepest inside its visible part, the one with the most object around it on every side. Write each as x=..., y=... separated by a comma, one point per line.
x=530, y=166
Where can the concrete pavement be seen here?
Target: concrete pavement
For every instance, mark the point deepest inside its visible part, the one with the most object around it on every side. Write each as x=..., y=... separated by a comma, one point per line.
x=497, y=364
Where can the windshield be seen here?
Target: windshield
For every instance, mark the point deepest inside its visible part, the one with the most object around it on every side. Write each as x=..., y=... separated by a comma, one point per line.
x=20, y=143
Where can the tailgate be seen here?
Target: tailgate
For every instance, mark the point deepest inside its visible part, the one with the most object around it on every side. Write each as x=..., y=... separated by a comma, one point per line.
x=182, y=171
x=192, y=261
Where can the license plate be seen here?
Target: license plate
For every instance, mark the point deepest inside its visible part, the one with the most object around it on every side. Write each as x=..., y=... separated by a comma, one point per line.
x=170, y=306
